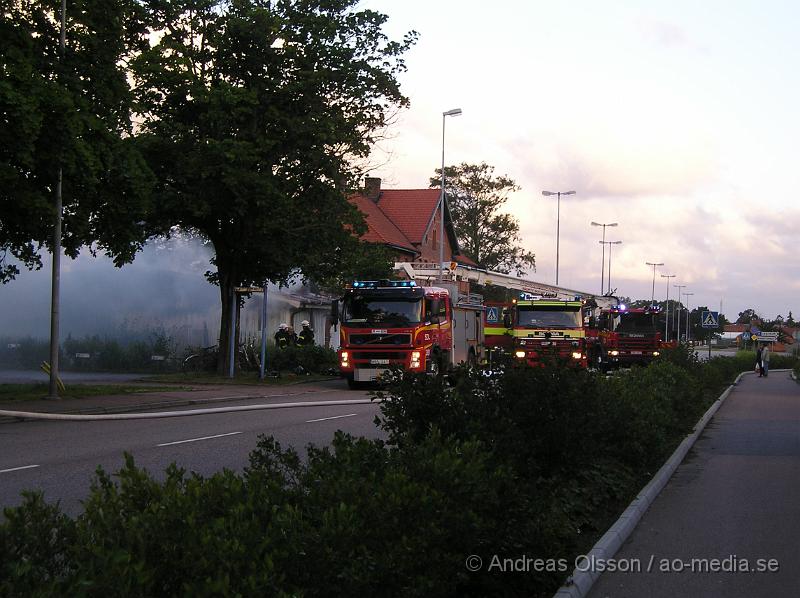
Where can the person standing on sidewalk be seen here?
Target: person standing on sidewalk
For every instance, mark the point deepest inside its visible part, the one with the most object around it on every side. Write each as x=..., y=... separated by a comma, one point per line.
x=765, y=361
x=759, y=363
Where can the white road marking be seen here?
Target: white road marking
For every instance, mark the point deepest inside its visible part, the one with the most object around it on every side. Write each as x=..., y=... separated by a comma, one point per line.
x=196, y=439
x=322, y=419
x=18, y=468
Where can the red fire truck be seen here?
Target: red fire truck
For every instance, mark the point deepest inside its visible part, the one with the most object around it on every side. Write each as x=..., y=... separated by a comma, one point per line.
x=395, y=322
x=537, y=329
x=624, y=336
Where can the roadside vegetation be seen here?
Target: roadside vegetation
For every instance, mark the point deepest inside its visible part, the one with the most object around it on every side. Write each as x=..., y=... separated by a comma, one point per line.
x=157, y=354
x=532, y=462
x=32, y=392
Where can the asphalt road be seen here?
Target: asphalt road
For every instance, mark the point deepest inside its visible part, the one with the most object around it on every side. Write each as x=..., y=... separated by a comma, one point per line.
x=734, y=499
x=60, y=458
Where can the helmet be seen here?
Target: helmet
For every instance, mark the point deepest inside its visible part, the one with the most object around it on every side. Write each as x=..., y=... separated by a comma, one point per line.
x=283, y=327
x=305, y=323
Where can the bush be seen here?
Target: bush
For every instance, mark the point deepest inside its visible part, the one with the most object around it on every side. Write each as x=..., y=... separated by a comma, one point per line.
x=530, y=462
x=313, y=359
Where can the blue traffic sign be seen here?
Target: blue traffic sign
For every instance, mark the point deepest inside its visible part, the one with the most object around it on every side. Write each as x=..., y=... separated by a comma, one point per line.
x=492, y=314
x=709, y=319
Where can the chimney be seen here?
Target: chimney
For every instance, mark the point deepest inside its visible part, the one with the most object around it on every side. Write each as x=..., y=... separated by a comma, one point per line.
x=372, y=188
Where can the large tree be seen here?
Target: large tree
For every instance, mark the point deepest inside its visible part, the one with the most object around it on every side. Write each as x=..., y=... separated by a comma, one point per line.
x=487, y=235
x=746, y=316
x=71, y=113
x=253, y=113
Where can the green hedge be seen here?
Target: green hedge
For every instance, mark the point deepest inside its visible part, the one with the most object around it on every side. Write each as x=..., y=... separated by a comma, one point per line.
x=531, y=462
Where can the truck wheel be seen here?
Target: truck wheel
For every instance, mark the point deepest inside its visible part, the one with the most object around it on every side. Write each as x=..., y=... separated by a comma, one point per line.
x=353, y=385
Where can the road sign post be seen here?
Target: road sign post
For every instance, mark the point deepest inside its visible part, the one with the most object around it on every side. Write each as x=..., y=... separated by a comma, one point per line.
x=709, y=320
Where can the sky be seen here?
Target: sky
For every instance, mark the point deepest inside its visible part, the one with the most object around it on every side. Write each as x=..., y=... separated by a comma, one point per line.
x=678, y=120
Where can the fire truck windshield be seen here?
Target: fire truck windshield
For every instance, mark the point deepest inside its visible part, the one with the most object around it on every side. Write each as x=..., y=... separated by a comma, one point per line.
x=636, y=323
x=368, y=311
x=548, y=317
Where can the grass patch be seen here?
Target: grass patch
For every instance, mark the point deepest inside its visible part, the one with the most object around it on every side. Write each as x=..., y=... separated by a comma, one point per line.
x=35, y=391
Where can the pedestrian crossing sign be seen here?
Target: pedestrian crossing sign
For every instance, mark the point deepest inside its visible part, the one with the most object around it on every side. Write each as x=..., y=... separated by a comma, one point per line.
x=709, y=319
x=492, y=314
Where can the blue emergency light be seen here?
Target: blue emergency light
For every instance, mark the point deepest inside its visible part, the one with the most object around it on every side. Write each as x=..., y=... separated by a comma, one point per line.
x=374, y=284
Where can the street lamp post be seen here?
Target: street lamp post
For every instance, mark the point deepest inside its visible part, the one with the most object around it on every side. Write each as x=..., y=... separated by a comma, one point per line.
x=666, y=319
x=654, y=264
x=603, y=257
x=453, y=112
x=610, y=243
x=558, y=219
x=688, y=330
x=678, y=309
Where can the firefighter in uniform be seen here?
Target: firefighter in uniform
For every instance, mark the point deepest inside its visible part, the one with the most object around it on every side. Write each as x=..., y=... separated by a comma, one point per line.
x=306, y=336
x=283, y=338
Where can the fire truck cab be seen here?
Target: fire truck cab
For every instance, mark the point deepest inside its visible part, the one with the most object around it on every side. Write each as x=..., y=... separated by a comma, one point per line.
x=545, y=328
x=625, y=337
x=395, y=322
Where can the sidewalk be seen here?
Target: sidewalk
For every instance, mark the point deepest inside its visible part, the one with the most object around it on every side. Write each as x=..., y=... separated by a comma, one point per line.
x=150, y=401
x=734, y=499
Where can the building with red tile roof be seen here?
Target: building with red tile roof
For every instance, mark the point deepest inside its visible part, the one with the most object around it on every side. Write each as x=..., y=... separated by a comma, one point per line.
x=408, y=222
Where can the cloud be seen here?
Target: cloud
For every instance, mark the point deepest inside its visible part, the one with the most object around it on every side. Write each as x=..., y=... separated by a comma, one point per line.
x=668, y=35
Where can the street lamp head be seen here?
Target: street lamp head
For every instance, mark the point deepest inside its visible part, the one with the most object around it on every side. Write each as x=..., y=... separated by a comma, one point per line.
x=615, y=242
x=548, y=193
x=567, y=193
x=601, y=224
x=654, y=263
x=453, y=112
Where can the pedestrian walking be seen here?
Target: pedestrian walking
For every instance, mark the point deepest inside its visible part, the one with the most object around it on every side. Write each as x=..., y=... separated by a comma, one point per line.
x=759, y=363
x=765, y=360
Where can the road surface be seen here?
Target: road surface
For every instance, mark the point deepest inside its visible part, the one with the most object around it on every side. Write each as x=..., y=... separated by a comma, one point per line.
x=60, y=457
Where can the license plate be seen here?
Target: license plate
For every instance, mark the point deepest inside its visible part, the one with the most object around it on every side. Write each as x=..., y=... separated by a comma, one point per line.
x=636, y=352
x=379, y=361
x=367, y=374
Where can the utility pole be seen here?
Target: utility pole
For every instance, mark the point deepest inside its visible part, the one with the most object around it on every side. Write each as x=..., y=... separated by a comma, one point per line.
x=603, y=257
x=55, y=292
x=653, y=295
x=666, y=318
x=678, y=309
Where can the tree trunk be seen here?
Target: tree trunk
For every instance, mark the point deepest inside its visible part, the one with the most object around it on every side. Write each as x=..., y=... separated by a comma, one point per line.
x=227, y=295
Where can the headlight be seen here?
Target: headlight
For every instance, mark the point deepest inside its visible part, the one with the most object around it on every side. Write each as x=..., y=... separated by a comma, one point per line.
x=520, y=354
x=416, y=357
x=577, y=355
x=344, y=358
x=613, y=353
x=656, y=353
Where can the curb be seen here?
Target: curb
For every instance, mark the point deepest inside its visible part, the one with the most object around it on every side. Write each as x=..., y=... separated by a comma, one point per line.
x=580, y=583
x=142, y=407
x=163, y=414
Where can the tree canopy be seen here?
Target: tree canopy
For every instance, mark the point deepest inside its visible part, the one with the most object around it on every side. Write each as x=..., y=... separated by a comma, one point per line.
x=252, y=115
x=485, y=234
x=746, y=316
x=72, y=113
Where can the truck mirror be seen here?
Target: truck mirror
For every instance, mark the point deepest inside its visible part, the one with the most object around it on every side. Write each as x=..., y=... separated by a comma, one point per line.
x=335, y=313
